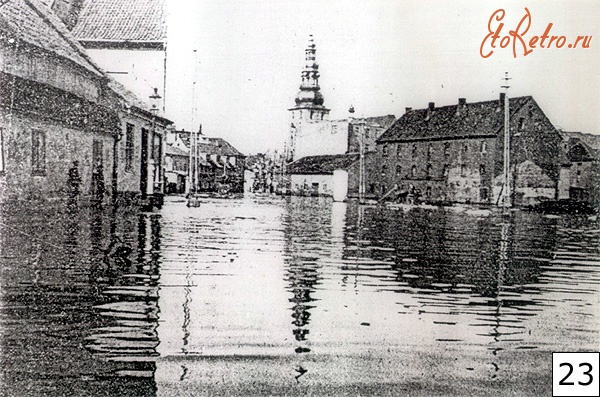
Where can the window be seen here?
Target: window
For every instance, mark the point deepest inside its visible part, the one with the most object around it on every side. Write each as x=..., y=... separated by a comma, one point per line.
x=414, y=150
x=429, y=168
x=367, y=133
x=1, y=150
x=482, y=169
x=413, y=171
x=383, y=170
x=445, y=170
x=521, y=123
x=483, y=147
x=129, y=147
x=398, y=170
x=38, y=152
x=385, y=150
x=398, y=150
x=429, y=150
x=334, y=129
x=483, y=194
x=446, y=149
x=463, y=170
x=97, y=154
x=428, y=191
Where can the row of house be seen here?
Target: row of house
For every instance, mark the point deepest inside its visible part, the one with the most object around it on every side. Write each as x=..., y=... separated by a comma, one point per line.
x=214, y=166
x=82, y=101
x=452, y=153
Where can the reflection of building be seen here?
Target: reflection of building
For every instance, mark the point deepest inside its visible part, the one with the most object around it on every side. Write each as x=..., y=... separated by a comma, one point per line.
x=455, y=152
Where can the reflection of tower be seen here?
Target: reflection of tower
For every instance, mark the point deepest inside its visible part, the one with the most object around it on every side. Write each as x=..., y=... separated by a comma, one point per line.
x=309, y=112
x=302, y=278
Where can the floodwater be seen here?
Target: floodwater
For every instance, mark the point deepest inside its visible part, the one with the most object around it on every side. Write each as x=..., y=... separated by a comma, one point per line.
x=291, y=296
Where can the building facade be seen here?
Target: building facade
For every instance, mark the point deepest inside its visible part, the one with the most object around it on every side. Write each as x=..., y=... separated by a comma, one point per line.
x=58, y=117
x=324, y=175
x=176, y=170
x=583, y=177
x=126, y=38
x=455, y=153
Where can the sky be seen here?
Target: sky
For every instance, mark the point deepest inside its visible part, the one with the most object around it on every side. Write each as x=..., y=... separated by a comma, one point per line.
x=234, y=65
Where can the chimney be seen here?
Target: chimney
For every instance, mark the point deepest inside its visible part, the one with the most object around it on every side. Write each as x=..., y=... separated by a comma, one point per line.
x=67, y=11
x=462, y=101
x=407, y=109
x=430, y=110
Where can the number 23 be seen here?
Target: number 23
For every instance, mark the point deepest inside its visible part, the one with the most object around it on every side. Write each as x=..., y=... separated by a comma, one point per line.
x=588, y=373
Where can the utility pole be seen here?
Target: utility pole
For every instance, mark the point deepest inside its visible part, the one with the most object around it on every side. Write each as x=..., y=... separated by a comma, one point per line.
x=506, y=191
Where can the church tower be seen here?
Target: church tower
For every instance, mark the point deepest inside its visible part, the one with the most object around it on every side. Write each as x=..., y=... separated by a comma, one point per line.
x=309, y=113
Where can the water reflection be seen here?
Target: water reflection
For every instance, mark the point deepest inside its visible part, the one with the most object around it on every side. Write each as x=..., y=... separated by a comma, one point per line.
x=72, y=319
x=310, y=296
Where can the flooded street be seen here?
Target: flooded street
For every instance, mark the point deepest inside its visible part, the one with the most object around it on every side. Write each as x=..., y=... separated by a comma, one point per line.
x=292, y=296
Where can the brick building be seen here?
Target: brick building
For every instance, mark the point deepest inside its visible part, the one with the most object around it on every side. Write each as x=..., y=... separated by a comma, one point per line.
x=455, y=153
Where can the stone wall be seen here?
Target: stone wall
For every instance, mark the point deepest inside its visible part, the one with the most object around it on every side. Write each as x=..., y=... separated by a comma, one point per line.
x=63, y=146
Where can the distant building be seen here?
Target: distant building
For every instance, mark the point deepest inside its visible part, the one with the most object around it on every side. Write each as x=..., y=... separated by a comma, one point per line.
x=219, y=166
x=583, y=153
x=126, y=38
x=176, y=170
x=263, y=172
x=323, y=175
x=140, y=149
x=455, y=153
x=58, y=117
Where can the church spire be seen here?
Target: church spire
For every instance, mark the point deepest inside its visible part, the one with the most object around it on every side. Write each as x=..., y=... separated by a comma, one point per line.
x=309, y=95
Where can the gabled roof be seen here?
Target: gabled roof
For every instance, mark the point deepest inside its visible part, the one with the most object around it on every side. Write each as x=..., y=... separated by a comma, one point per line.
x=582, y=146
x=35, y=24
x=219, y=146
x=380, y=121
x=468, y=120
x=120, y=20
x=173, y=151
x=324, y=164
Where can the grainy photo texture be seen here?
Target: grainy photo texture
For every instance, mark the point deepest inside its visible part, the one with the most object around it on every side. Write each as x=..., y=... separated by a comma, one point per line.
x=299, y=198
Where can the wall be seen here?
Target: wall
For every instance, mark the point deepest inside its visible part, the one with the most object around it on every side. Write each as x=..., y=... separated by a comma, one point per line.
x=317, y=137
x=302, y=184
x=138, y=70
x=63, y=146
x=452, y=169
